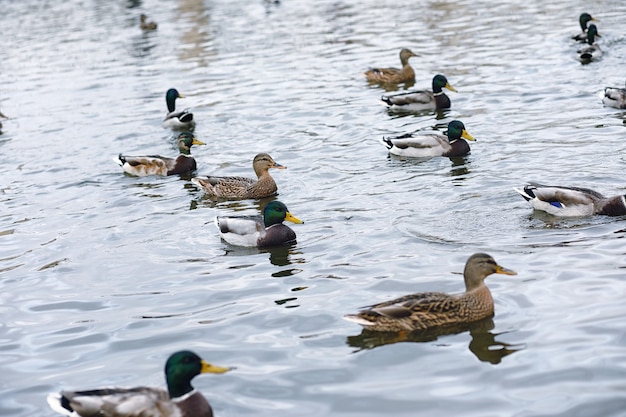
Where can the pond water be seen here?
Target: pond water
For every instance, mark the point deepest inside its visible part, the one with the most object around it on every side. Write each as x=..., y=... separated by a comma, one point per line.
x=103, y=275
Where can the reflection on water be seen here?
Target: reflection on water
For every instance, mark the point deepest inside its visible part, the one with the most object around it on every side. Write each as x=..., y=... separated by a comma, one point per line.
x=483, y=343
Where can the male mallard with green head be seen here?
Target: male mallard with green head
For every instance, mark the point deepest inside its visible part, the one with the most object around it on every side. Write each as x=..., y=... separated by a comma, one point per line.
x=177, y=120
x=572, y=201
x=142, y=166
x=434, y=144
x=394, y=75
x=430, y=310
x=260, y=231
x=584, y=19
x=239, y=188
x=179, y=400
x=591, y=51
x=421, y=100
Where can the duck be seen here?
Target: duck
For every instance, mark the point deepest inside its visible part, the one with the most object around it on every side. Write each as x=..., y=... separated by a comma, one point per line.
x=180, y=398
x=431, y=310
x=146, y=25
x=421, y=100
x=142, y=166
x=591, y=51
x=177, y=120
x=615, y=97
x=260, y=231
x=584, y=19
x=239, y=188
x=394, y=75
x=563, y=201
x=430, y=145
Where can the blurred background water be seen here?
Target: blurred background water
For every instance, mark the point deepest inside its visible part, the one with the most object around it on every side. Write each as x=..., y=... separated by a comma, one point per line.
x=103, y=275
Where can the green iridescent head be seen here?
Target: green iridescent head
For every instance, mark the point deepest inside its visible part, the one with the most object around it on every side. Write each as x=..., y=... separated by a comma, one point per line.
x=439, y=82
x=182, y=367
x=186, y=140
x=456, y=130
x=170, y=98
x=276, y=212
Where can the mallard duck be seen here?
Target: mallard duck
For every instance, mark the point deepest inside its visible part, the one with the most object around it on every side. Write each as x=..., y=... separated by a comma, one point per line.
x=571, y=201
x=177, y=120
x=583, y=20
x=421, y=100
x=180, y=398
x=237, y=188
x=429, y=310
x=434, y=144
x=260, y=231
x=394, y=75
x=615, y=97
x=144, y=24
x=162, y=165
x=591, y=51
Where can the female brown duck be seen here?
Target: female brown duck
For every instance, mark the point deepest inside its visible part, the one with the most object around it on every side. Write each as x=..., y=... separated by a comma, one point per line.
x=236, y=188
x=394, y=75
x=429, y=310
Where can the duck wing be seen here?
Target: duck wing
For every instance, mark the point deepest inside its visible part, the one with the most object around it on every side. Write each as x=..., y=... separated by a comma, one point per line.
x=418, y=145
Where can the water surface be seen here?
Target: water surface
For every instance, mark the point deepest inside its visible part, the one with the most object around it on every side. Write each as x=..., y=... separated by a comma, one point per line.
x=104, y=275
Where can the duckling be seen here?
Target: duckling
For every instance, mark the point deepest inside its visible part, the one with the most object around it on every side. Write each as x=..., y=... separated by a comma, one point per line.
x=394, y=75
x=591, y=51
x=615, y=97
x=260, y=231
x=144, y=24
x=429, y=145
x=583, y=20
x=430, y=310
x=571, y=201
x=421, y=100
x=161, y=165
x=177, y=120
x=180, y=398
x=238, y=188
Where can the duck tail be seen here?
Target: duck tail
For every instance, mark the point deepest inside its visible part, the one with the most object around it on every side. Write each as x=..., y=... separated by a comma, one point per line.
x=387, y=142
x=120, y=160
x=526, y=193
x=386, y=100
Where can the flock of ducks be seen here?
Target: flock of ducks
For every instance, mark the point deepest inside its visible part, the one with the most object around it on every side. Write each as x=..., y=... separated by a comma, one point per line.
x=409, y=313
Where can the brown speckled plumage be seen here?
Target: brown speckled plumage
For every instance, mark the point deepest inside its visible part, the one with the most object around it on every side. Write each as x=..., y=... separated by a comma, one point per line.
x=427, y=310
x=394, y=75
x=240, y=187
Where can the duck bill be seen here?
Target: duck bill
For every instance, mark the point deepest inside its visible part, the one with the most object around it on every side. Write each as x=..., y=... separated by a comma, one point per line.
x=197, y=142
x=505, y=271
x=293, y=219
x=278, y=166
x=449, y=87
x=466, y=135
x=207, y=368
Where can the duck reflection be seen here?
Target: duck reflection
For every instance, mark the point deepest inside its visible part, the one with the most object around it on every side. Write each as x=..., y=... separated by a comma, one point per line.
x=483, y=343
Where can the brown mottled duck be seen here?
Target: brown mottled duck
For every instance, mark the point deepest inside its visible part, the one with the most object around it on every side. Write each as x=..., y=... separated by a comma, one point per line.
x=239, y=188
x=394, y=75
x=428, y=310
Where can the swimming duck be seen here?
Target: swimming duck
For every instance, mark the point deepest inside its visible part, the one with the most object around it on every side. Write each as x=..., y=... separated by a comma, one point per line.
x=434, y=144
x=144, y=24
x=591, y=51
x=177, y=120
x=260, y=231
x=394, y=75
x=180, y=398
x=572, y=201
x=237, y=188
x=583, y=20
x=615, y=97
x=421, y=100
x=429, y=310
x=162, y=165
